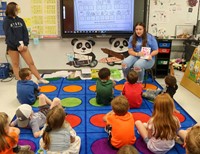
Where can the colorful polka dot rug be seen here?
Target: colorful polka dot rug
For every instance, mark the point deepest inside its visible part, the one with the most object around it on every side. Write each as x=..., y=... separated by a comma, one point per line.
x=86, y=116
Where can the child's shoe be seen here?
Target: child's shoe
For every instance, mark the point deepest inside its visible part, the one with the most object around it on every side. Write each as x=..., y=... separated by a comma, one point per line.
x=43, y=81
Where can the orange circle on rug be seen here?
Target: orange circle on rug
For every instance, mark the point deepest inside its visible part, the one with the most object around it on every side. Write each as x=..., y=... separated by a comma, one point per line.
x=93, y=88
x=48, y=88
x=119, y=87
x=180, y=116
x=150, y=86
x=74, y=120
x=141, y=116
x=97, y=120
x=72, y=88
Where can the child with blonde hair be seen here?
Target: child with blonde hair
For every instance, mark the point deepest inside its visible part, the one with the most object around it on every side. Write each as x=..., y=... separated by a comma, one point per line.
x=133, y=90
x=127, y=149
x=191, y=138
x=160, y=131
x=120, y=123
x=58, y=136
x=9, y=136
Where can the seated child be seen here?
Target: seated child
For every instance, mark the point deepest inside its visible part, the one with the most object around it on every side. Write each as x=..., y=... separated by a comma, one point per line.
x=104, y=87
x=120, y=123
x=133, y=90
x=160, y=131
x=192, y=140
x=171, y=87
x=9, y=137
x=26, y=118
x=27, y=90
x=59, y=136
x=127, y=149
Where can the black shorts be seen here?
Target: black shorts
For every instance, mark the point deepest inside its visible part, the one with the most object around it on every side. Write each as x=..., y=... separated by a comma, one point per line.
x=11, y=48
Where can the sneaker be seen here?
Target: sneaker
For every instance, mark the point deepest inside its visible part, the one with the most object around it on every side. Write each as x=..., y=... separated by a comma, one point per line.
x=43, y=81
x=25, y=147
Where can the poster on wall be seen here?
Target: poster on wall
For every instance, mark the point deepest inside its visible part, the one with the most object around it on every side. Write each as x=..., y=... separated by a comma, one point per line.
x=194, y=67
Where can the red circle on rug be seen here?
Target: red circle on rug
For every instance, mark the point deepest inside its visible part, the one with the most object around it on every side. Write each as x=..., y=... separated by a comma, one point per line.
x=97, y=120
x=141, y=116
x=72, y=88
x=74, y=120
x=180, y=116
x=119, y=87
x=92, y=88
x=150, y=86
x=48, y=88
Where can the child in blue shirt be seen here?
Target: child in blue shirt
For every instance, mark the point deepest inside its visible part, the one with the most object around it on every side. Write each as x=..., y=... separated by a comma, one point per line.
x=27, y=90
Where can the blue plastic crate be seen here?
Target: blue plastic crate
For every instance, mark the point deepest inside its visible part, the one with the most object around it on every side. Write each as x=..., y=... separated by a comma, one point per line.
x=4, y=70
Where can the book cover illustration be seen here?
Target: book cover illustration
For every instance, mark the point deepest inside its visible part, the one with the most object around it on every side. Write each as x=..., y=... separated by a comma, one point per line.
x=146, y=51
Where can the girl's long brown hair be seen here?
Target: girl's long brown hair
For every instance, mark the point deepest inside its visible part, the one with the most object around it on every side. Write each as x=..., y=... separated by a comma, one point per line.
x=11, y=9
x=164, y=122
x=55, y=120
x=3, y=134
x=144, y=35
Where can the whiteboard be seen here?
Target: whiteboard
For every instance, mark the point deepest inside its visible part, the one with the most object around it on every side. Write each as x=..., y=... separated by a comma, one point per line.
x=166, y=15
x=41, y=17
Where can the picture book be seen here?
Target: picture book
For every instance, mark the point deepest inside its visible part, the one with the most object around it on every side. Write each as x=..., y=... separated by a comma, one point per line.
x=147, y=51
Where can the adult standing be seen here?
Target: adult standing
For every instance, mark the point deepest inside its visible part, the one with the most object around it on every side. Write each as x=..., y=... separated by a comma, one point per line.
x=139, y=39
x=17, y=41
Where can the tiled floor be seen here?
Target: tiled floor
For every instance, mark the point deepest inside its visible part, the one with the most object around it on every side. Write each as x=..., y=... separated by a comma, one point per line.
x=185, y=98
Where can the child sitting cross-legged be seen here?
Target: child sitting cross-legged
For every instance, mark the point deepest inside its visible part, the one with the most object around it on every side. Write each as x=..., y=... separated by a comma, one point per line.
x=26, y=118
x=104, y=87
x=120, y=123
x=59, y=136
x=133, y=90
x=161, y=130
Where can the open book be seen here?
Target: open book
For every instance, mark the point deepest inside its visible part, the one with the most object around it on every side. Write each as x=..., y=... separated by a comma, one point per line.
x=147, y=51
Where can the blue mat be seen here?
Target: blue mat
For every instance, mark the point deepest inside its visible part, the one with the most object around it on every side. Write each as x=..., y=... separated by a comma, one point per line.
x=91, y=128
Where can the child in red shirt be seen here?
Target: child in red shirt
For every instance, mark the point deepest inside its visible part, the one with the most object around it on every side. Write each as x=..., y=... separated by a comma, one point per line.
x=133, y=90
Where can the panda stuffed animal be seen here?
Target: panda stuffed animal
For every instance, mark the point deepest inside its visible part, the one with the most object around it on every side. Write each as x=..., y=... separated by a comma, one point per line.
x=119, y=46
x=83, y=55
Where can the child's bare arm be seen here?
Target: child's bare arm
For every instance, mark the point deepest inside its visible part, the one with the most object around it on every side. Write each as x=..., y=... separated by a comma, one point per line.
x=105, y=117
x=37, y=134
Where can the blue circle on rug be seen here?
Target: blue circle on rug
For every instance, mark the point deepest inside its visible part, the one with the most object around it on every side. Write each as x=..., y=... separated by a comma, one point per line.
x=27, y=142
x=102, y=146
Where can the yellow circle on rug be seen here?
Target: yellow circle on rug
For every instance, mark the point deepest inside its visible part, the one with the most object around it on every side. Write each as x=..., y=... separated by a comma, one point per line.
x=48, y=88
x=71, y=102
x=119, y=87
x=93, y=88
x=72, y=88
x=150, y=86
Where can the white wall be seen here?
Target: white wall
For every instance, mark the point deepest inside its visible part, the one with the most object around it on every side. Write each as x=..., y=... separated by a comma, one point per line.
x=52, y=54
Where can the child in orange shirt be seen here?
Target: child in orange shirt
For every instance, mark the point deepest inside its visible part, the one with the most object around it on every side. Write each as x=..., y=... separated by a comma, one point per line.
x=120, y=123
x=133, y=90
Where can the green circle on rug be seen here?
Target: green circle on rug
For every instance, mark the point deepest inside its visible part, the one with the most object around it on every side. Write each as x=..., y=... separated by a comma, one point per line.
x=36, y=104
x=71, y=102
x=94, y=102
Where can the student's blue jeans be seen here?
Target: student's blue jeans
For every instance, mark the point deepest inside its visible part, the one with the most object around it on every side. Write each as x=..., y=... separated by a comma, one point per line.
x=132, y=61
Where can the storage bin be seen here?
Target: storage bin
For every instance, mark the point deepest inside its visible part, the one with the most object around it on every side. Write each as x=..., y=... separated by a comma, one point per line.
x=4, y=70
x=164, y=44
x=163, y=50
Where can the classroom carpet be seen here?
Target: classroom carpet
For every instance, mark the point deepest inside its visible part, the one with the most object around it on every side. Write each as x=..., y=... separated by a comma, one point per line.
x=86, y=116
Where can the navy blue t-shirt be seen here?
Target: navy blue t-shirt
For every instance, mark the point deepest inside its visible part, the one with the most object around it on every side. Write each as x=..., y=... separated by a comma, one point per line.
x=26, y=91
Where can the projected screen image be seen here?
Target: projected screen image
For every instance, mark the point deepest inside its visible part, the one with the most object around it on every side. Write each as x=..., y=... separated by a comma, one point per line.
x=97, y=16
